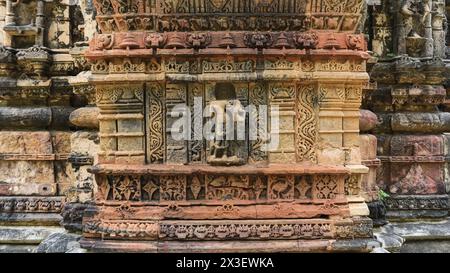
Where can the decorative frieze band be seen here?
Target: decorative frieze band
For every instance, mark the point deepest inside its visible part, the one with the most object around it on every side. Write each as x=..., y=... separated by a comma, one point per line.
x=34, y=157
x=31, y=204
x=229, y=229
x=152, y=188
x=207, y=66
x=417, y=202
x=163, y=15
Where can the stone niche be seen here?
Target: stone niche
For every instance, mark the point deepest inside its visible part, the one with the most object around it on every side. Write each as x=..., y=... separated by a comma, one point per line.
x=155, y=60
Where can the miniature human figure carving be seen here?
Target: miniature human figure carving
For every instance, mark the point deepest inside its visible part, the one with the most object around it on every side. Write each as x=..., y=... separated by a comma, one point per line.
x=417, y=28
x=227, y=113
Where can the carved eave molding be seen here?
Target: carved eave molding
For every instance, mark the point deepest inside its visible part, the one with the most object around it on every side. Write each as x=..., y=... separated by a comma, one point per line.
x=147, y=44
x=180, y=15
x=39, y=63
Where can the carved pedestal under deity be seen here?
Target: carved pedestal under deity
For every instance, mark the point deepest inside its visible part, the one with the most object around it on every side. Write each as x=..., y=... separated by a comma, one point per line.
x=158, y=66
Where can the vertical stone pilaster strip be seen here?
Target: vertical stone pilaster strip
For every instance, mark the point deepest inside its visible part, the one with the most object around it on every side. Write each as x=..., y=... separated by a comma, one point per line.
x=306, y=118
x=155, y=123
x=331, y=100
x=283, y=96
x=258, y=98
x=176, y=150
x=121, y=123
x=196, y=153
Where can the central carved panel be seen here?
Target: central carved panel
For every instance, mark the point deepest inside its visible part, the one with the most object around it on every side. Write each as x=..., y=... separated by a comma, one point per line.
x=225, y=124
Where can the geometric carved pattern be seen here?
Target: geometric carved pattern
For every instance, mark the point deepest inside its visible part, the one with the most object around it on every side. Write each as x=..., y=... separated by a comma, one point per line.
x=153, y=188
x=124, y=188
x=325, y=187
x=303, y=187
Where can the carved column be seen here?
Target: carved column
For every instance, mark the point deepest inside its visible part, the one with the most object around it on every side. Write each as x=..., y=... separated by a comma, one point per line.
x=36, y=100
x=410, y=134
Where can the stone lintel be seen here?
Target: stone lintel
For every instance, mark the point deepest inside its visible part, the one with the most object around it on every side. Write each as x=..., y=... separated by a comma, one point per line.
x=271, y=169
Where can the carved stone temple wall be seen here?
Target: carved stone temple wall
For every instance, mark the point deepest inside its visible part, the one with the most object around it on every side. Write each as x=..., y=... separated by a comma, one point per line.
x=159, y=193
x=354, y=94
x=40, y=53
x=409, y=39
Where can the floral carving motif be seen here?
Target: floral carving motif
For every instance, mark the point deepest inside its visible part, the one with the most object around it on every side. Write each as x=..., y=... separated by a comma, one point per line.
x=155, y=40
x=352, y=185
x=326, y=187
x=258, y=96
x=258, y=40
x=226, y=66
x=198, y=40
x=104, y=41
x=173, y=188
x=306, y=40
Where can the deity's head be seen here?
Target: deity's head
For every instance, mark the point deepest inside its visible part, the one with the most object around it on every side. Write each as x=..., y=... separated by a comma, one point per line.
x=225, y=91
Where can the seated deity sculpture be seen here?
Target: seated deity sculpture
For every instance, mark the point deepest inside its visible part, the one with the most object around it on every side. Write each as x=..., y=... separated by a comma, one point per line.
x=228, y=117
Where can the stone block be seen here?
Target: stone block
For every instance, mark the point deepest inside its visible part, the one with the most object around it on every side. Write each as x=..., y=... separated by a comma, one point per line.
x=64, y=176
x=61, y=142
x=20, y=142
x=412, y=145
x=368, y=146
x=331, y=156
x=85, y=142
x=27, y=178
x=413, y=122
x=416, y=178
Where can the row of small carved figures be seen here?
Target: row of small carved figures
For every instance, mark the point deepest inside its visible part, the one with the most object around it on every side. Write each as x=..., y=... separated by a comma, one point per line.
x=417, y=203
x=209, y=231
x=300, y=40
x=30, y=205
x=285, y=23
x=310, y=230
x=107, y=7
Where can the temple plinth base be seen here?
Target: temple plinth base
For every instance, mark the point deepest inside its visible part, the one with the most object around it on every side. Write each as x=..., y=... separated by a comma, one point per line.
x=356, y=245
x=202, y=208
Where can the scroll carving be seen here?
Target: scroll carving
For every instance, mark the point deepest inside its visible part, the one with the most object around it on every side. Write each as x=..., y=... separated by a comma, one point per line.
x=306, y=124
x=258, y=97
x=155, y=124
